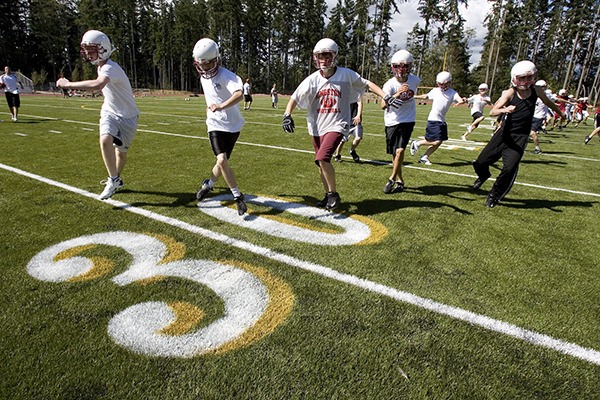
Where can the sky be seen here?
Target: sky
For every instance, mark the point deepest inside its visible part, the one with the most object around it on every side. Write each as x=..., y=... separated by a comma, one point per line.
x=403, y=23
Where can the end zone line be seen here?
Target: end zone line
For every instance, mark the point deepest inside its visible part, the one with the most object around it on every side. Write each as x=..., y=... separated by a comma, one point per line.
x=538, y=339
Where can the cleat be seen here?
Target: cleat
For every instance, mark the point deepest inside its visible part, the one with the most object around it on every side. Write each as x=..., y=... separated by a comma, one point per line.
x=338, y=157
x=241, y=206
x=537, y=151
x=413, y=148
x=333, y=200
x=491, y=201
x=478, y=183
x=587, y=140
x=399, y=188
x=354, y=156
x=463, y=138
x=203, y=190
x=322, y=203
x=424, y=160
x=389, y=186
x=111, y=187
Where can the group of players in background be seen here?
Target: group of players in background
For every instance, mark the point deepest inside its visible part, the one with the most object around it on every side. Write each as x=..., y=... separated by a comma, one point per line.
x=332, y=97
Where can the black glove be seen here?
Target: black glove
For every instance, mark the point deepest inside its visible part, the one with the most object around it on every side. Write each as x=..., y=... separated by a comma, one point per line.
x=391, y=101
x=288, y=123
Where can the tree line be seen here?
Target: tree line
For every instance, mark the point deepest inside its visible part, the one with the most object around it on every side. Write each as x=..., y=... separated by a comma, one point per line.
x=270, y=41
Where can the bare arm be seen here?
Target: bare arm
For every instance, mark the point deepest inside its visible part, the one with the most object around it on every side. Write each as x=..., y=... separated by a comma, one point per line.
x=542, y=95
x=291, y=105
x=501, y=106
x=235, y=98
x=95, y=84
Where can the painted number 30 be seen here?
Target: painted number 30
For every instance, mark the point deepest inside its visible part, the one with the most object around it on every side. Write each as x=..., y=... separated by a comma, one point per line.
x=255, y=302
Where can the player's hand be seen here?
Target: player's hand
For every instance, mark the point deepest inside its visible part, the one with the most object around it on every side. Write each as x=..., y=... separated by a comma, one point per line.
x=391, y=101
x=288, y=123
x=62, y=82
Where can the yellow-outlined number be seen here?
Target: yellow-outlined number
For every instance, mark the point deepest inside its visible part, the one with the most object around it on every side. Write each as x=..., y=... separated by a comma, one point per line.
x=255, y=302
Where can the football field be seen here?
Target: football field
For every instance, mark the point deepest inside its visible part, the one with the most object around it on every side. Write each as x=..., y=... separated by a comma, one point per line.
x=425, y=294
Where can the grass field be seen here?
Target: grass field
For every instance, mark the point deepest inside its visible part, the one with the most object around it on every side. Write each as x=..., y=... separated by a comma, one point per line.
x=425, y=294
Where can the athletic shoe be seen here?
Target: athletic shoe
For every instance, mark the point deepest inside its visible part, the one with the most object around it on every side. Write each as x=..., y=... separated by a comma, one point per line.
x=333, y=200
x=463, y=138
x=587, y=140
x=537, y=151
x=322, y=203
x=241, y=206
x=354, y=156
x=111, y=186
x=203, y=190
x=338, y=157
x=389, y=186
x=413, y=148
x=470, y=128
x=399, y=188
x=477, y=184
x=491, y=201
x=424, y=160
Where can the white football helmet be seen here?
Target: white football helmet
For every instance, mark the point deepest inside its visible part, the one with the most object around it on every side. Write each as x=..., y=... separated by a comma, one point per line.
x=562, y=92
x=402, y=62
x=483, y=86
x=206, y=57
x=541, y=83
x=95, y=47
x=443, y=80
x=523, y=75
x=325, y=46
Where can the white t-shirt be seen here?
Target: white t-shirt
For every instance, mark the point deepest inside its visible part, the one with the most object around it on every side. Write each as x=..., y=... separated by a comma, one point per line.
x=540, y=109
x=11, y=83
x=478, y=102
x=328, y=100
x=216, y=90
x=408, y=111
x=118, y=96
x=246, y=88
x=442, y=100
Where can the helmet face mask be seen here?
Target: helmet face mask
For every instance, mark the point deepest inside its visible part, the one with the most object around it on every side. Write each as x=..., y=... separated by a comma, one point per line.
x=206, y=58
x=524, y=81
x=325, y=54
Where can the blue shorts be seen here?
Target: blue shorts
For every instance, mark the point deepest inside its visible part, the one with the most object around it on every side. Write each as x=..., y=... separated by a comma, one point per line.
x=537, y=124
x=436, y=130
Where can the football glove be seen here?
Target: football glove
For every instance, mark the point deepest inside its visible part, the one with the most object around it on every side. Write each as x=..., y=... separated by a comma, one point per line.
x=288, y=123
x=391, y=101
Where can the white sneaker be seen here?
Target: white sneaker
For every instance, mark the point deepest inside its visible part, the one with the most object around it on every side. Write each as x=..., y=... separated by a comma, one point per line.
x=111, y=187
x=424, y=160
x=463, y=138
x=414, y=148
x=470, y=128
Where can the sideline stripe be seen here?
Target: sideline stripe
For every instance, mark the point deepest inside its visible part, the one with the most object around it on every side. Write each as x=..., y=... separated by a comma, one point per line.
x=571, y=349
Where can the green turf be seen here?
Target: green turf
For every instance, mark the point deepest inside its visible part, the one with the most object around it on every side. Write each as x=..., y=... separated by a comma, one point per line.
x=531, y=262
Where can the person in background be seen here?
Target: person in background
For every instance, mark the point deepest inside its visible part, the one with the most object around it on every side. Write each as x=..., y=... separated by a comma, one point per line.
x=119, y=113
x=247, y=94
x=356, y=130
x=9, y=82
x=274, y=96
x=223, y=91
x=477, y=102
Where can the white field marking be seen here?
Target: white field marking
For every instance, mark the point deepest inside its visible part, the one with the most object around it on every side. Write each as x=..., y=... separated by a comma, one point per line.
x=87, y=129
x=587, y=354
x=52, y=131
x=19, y=134
x=162, y=123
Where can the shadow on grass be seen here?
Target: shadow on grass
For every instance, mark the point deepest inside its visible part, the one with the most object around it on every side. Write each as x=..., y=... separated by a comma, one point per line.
x=544, y=203
x=179, y=199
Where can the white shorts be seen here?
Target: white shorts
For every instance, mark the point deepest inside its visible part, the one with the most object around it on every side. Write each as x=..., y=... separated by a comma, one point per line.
x=121, y=129
x=356, y=131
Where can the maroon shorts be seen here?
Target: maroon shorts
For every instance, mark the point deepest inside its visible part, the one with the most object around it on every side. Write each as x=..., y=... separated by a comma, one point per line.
x=326, y=145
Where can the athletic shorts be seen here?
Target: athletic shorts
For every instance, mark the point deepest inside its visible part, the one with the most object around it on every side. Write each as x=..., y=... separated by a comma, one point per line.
x=223, y=142
x=247, y=98
x=597, y=120
x=436, y=130
x=398, y=136
x=121, y=129
x=12, y=99
x=537, y=124
x=356, y=131
x=476, y=115
x=326, y=145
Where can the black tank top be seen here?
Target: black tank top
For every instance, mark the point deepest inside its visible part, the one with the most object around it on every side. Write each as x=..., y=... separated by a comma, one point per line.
x=519, y=121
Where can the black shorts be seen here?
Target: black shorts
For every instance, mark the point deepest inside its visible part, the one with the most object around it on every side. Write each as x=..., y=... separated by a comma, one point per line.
x=537, y=124
x=597, y=120
x=223, y=142
x=397, y=136
x=435, y=131
x=247, y=98
x=476, y=115
x=12, y=99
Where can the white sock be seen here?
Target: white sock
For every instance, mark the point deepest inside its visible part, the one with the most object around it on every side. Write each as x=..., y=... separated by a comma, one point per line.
x=235, y=191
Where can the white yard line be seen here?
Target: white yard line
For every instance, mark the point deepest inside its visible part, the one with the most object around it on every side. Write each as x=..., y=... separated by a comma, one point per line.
x=538, y=339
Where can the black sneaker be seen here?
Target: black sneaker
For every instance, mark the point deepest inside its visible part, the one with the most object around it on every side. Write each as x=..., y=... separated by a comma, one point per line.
x=322, y=203
x=477, y=184
x=491, y=201
x=587, y=140
x=399, y=188
x=338, y=158
x=354, y=156
x=203, y=190
x=241, y=206
x=537, y=151
x=389, y=186
x=333, y=200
